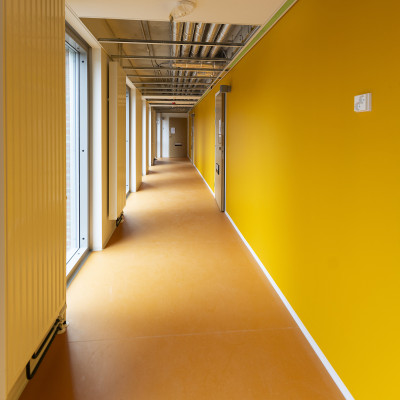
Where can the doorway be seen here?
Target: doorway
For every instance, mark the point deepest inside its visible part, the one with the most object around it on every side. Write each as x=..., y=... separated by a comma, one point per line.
x=177, y=137
x=220, y=113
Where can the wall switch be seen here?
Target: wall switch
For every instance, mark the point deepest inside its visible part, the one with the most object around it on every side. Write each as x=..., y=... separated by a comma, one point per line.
x=362, y=103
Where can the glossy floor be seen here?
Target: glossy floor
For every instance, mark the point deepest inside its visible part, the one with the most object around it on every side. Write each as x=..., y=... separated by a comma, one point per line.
x=176, y=308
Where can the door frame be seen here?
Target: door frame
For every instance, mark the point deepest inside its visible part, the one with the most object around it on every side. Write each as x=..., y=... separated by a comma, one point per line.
x=223, y=194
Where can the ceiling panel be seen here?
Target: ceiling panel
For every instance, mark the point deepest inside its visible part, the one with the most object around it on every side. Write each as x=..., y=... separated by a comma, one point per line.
x=249, y=12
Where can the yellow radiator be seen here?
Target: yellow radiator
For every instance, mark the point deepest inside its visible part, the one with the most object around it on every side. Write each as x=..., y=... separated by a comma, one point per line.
x=117, y=140
x=34, y=176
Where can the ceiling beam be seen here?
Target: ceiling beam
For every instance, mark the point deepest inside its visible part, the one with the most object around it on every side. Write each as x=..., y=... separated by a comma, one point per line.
x=201, y=89
x=169, y=77
x=177, y=102
x=176, y=97
x=171, y=83
x=161, y=94
x=172, y=105
x=169, y=42
x=194, y=59
x=174, y=69
x=198, y=89
x=166, y=93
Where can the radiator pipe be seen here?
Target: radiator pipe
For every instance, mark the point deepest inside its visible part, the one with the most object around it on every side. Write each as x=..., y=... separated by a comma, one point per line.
x=52, y=334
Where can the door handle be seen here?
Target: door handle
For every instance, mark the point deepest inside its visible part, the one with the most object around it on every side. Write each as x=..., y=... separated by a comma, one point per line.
x=217, y=168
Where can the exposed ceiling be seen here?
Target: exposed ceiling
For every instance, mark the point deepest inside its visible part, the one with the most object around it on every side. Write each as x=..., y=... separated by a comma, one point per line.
x=249, y=12
x=169, y=74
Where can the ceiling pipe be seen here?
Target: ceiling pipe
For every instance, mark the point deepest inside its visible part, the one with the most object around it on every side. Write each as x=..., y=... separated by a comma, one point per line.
x=187, y=37
x=173, y=69
x=166, y=42
x=177, y=28
x=181, y=58
x=198, y=36
x=210, y=37
x=222, y=35
x=164, y=77
x=167, y=83
x=211, y=34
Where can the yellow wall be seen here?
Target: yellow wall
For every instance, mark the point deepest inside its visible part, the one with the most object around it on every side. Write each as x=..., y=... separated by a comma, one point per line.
x=204, y=138
x=190, y=151
x=108, y=226
x=314, y=186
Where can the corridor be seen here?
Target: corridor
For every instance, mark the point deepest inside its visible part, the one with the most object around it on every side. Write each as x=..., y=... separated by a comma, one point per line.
x=176, y=308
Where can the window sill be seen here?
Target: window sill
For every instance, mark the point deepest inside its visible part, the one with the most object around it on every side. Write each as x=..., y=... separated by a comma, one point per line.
x=75, y=261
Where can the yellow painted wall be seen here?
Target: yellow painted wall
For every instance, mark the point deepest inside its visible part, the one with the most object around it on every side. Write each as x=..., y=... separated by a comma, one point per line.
x=314, y=186
x=190, y=150
x=204, y=151
x=108, y=226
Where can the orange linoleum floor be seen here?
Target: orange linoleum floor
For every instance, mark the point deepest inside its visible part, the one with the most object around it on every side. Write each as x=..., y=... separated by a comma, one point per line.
x=176, y=308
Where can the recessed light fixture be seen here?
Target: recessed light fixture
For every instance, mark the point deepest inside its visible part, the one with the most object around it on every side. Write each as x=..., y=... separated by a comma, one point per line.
x=184, y=7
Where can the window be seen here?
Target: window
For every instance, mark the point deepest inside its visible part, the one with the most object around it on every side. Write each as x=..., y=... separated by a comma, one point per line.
x=76, y=150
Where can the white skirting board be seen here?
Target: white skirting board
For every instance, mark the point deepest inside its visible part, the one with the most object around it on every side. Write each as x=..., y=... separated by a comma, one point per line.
x=342, y=387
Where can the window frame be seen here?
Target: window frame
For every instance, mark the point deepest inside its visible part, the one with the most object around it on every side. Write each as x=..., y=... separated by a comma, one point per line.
x=77, y=44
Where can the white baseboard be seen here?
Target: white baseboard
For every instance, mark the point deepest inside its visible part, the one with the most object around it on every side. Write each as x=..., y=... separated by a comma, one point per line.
x=204, y=180
x=342, y=387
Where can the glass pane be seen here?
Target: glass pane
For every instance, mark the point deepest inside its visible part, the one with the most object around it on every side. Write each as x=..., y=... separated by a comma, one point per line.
x=71, y=86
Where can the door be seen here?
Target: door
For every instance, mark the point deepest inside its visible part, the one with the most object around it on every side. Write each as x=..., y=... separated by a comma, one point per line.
x=219, y=187
x=177, y=137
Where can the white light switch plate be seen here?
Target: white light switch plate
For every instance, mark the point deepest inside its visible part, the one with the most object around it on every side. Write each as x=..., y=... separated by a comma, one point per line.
x=362, y=103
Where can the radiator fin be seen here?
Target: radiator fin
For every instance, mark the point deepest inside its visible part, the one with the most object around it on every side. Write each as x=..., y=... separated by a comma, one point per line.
x=117, y=140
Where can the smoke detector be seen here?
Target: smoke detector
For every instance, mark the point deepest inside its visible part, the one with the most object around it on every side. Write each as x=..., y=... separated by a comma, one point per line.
x=184, y=7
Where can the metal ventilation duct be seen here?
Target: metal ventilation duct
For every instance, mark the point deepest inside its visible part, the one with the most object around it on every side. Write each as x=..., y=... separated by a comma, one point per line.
x=187, y=37
x=222, y=35
x=198, y=36
x=211, y=34
x=177, y=28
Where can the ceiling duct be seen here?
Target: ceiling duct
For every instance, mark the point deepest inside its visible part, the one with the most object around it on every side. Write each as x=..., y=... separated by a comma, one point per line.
x=211, y=35
x=177, y=28
x=187, y=37
x=222, y=35
x=212, y=32
x=198, y=36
